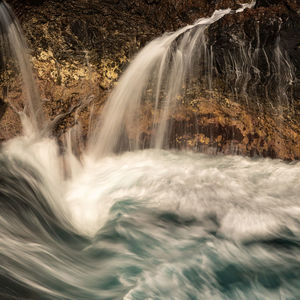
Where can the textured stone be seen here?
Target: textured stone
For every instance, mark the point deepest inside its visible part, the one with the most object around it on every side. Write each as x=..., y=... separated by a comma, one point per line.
x=80, y=48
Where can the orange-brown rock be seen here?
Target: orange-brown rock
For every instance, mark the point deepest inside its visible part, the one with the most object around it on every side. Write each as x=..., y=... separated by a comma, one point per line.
x=80, y=48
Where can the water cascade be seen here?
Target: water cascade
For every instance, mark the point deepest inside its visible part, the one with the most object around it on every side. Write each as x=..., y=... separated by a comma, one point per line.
x=13, y=45
x=144, y=224
x=164, y=66
x=157, y=59
x=162, y=74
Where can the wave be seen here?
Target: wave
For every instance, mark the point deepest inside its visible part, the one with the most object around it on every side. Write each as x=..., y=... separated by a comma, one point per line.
x=152, y=225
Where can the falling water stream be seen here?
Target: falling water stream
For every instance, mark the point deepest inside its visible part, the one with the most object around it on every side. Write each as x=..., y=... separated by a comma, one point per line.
x=12, y=36
x=144, y=224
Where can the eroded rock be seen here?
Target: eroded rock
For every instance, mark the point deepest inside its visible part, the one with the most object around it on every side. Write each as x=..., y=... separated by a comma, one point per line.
x=80, y=48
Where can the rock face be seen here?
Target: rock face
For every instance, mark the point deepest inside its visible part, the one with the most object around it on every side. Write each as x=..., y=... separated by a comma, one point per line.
x=79, y=49
x=265, y=41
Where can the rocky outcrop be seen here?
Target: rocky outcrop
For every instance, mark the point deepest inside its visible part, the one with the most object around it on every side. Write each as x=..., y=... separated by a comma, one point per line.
x=80, y=48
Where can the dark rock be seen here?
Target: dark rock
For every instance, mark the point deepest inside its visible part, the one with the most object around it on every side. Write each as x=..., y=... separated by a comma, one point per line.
x=80, y=48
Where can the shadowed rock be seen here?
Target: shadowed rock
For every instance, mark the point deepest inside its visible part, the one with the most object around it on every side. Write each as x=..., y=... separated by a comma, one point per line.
x=80, y=48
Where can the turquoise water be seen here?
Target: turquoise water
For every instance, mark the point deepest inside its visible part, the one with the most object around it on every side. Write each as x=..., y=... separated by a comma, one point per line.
x=147, y=225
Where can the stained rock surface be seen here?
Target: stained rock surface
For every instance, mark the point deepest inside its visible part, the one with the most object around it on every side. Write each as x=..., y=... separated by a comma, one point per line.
x=80, y=48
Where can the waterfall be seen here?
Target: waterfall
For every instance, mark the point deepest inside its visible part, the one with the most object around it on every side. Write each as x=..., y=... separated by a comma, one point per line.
x=151, y=224
x=12, y=40
x=162, y=68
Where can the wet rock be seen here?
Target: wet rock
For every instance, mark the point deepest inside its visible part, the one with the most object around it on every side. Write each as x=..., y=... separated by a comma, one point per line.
x=260, y=38
x=80, y=48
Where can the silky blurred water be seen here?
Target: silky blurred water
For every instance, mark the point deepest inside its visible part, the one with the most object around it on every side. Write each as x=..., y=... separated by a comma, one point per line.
x=151, y=224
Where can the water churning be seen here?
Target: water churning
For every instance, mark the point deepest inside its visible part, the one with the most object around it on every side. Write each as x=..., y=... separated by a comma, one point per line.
x=144, y=224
